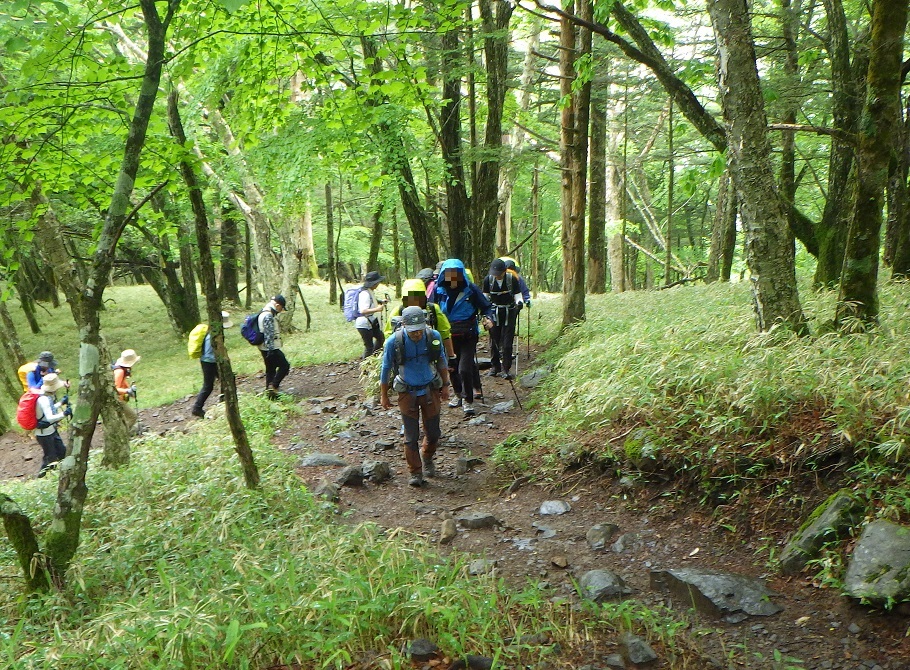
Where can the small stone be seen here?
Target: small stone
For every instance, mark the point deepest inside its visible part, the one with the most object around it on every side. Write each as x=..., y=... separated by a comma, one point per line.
x=350, y=476
x=422, y=650
x=598, y=585
x=481, y=566
x=327, y=490
x=637, y=650
x=321, y=400
x=853, y=628
x=448, y=532
x=560, y=561
x=614, y=661
x=377, y=471
x=384, y=445
x=321, y=460
x=554, y=507
x=502, y=407
x=477, y=520
x=598, y=536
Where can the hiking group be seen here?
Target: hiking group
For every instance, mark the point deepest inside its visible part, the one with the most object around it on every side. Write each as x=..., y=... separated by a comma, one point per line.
x=40, y=411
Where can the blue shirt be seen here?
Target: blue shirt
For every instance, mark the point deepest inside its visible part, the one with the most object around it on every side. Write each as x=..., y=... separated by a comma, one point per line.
x=35, y=379
x=208, y=352
x=416, y=370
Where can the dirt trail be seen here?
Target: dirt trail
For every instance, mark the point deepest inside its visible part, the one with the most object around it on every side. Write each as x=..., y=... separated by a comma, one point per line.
x=817, y=626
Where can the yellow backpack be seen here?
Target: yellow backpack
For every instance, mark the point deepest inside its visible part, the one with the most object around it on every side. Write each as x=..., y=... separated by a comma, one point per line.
x=197, y=340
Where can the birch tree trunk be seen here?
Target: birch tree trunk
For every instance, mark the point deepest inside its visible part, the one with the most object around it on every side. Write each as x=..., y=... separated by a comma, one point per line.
x=858, y=296
x=769, y=241
x=723, y=231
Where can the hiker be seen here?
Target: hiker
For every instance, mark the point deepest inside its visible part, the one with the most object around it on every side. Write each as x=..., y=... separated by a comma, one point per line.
x=513, y=269
x=501, y=288
x=367, y=323
x=414, y=364
x=123, y=370
x=426, y=275
x=434, y=280
x=461, y=301
x=48, y=414
x=412, y=295
x=32, y=374
x=276, y=364
x=209, y=369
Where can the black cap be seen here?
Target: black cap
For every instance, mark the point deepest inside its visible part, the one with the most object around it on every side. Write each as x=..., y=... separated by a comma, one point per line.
x=497, y=267
x=510, y=264
x=372, y=279
x=425, y=275
x=279, y=300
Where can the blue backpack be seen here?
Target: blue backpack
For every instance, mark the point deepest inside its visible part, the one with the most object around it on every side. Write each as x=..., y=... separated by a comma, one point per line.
x=250, y=330
x=352, y=303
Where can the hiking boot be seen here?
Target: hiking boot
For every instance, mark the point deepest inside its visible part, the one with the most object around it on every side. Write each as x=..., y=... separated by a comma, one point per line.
x=492, y=373
x=429, y=467
x=416, y=479
x=455, y=402
x=198, y=412
x=478, y=395
x=271, y=393
x=507, y=375
x=468, y=409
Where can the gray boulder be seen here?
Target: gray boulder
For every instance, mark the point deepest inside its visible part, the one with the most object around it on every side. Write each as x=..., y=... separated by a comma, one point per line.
x=830, y=521
x=448, y=532
x=350, y=476
x=377, y=471
x=599, y=585
x=879, y=569
x=554, y=507
x=719, y=594
x=502, y=407
x=481, y=566
x=422, y=650
x=599, y=535
x=321, y=460
x=533, y=378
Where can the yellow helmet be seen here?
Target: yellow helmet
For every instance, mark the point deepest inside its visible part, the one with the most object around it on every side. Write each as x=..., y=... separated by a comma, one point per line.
x=413, y=286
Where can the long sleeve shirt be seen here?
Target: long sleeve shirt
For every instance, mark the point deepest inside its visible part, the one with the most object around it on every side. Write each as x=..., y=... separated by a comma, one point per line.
x=271, y=333
x=49, y=411
x=208, y=351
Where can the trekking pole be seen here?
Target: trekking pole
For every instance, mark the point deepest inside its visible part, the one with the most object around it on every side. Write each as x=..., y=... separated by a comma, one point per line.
x=517, y=334
x=136, y=400
x=529, y=334
x=515, y=391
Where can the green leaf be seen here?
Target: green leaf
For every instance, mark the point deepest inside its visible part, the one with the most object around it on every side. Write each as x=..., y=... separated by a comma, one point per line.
x=232, y=6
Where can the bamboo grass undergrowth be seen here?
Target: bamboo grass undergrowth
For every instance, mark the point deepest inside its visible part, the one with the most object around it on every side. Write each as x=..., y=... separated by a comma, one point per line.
x=715, y=396
x=181, y=566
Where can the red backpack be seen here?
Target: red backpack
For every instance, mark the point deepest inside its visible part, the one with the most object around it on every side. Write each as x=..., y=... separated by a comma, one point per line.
x=25, y=412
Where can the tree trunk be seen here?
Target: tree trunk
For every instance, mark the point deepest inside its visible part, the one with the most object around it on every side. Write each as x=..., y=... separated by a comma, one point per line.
x=116, y=452
x=396, y=254
x=723, y=231
x=213, y=306
x=230, y=242
x=189, y=297
x=62, y=538
x=597, y=267
x=21, y=536
x=831, y=231
x=375, y=238
x=899, y=207
x=331, y=263
x=858, y=296
x=495, y=16
x=11, y=336
x=769, y=242
x=573, y=162
x=310, y=268
x=617, y=267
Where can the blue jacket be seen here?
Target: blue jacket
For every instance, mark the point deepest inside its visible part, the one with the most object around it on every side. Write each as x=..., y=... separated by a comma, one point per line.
x=465, y=301
x=208, y=351
x=416, y=370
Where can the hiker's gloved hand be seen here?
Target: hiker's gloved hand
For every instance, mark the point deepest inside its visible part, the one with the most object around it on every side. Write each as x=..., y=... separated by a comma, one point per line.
x=68, y=412
x=65, y=400
x=528, y=304
x=132, y=391
x=518, y=306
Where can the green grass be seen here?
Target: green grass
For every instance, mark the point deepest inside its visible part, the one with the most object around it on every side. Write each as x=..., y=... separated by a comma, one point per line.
x=136, y=319
x=722, y=400
x=181, y=566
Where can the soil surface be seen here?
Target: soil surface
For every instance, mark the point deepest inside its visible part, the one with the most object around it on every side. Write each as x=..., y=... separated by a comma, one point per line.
x=817, y=626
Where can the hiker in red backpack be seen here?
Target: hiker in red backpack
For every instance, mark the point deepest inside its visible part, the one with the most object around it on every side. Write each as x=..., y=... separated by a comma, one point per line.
x=48, y=415
x=368, y=307
x=276, y=364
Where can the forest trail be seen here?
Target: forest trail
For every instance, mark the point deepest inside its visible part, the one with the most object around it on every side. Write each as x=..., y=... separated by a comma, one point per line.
x=817, y=626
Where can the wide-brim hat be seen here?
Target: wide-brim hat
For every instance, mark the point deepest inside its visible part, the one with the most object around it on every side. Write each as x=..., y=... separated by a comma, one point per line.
x=226, y=320
x=51, y=383
x=128, y=359
x=372, y=279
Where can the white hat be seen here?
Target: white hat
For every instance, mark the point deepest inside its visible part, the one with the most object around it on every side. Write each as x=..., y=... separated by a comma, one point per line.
x=51, y=383
x=225, y=321
x=127, y=359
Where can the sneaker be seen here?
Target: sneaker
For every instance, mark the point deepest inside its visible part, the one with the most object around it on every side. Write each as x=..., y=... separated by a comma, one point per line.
x=429, y=467
x=198, y=412
x=468, y=409
x=416, y=480
x=492, y=373
x=455, y=402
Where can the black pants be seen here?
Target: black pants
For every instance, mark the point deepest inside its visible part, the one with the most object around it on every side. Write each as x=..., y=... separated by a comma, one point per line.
x=209, y=375
x=502, y=336
x=54, y=450
x=465, y=345
x=276, y=367
x=372, y=337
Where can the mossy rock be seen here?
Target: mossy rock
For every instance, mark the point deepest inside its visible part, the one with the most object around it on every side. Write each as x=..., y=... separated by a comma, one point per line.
x=643, y=450
x=829, y=522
